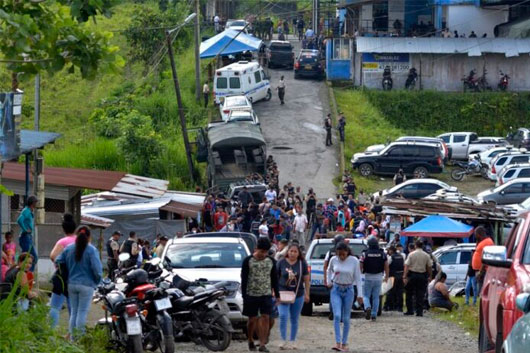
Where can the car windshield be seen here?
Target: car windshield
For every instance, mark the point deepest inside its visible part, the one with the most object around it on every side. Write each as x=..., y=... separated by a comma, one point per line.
x=320, y=250
x=237, y=116
x=281, y=46
x=236, y=102
x=237, y=24
x=206, y=255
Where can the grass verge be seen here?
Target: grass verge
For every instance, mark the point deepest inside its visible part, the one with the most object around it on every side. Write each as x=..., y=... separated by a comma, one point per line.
x=466, y=317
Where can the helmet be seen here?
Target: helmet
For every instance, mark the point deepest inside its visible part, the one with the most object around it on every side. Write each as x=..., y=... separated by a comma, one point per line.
x=339, y=238
x=136, y=277
x=372, y=242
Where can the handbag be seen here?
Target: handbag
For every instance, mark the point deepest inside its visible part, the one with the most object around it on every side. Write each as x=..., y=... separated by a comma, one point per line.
x=287, y=296
x=60, y=280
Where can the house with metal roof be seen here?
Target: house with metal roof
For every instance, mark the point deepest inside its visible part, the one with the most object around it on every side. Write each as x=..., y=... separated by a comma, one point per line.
x=441, y=63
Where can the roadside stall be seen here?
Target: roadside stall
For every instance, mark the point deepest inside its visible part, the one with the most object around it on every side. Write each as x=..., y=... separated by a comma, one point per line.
x=437, y=226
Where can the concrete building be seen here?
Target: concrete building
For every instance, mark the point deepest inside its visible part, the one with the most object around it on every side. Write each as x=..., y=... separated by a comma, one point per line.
x=441, y=62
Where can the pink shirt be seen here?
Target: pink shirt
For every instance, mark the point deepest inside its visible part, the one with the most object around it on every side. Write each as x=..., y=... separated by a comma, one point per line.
x=10, y=249
x=64, y=242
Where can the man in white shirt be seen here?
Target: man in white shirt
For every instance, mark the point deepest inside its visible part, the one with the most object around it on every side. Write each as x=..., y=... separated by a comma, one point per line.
x=300, y=226
x=270, y=194
x=216, y=24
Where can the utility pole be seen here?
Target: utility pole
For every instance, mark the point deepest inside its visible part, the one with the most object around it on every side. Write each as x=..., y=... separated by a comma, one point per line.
x=181, y=108
x=197, y=56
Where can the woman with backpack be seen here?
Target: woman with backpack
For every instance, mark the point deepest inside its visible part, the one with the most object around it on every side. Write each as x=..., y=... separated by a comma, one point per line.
x=84, y=274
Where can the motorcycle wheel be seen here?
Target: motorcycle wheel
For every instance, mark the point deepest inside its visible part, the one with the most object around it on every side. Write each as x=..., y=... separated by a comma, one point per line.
x=166, y=344
x=134, y=344
x=484, y=172
x=220, y=338
x=458, y=174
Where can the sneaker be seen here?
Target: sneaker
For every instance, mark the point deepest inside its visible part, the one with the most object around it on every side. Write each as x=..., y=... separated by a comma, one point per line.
x=284, y=346
x=293, y=346
x=263, y=349
x=252, y=347
x=367, y=313
x=374, y=318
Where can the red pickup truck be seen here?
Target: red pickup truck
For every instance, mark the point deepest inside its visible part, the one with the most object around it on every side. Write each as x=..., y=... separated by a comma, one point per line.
x=507, y=276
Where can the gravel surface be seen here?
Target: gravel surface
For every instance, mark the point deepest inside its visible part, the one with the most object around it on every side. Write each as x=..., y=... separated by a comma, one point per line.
x=392, y=332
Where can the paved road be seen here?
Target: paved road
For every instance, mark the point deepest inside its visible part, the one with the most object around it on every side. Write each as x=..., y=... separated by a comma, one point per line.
x=295, y=134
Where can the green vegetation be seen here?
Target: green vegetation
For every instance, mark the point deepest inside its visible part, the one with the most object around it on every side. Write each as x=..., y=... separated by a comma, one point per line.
x=467, y=316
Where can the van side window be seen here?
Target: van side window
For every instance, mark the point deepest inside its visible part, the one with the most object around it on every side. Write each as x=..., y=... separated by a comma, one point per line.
x=235, y=82
x=524, y=173
x=222, y=82
x=257, y=77
x=459, y=138
x=501, y=161
x=445, y=138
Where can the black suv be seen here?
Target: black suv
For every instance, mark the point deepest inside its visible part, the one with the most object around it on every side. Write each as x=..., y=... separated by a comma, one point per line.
x=280, y=54
x=309, y=64
x=520, y=138
x=416, y=159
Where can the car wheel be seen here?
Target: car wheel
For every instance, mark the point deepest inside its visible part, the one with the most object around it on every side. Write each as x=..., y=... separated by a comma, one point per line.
x=366, y=169
x=483, y=343
x=269, y=95
x=420, y=173
x=307, y=309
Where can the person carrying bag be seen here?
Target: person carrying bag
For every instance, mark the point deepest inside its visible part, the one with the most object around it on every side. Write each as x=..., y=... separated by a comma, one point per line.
x=292, y=272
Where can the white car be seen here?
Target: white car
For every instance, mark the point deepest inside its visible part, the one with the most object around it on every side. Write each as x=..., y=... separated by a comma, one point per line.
x=505, y=159
x=233, y=103
x=211, y=259
x=454, y=261
x=517, y=208
x=414, y=189
x=237, y=25
x=243, y=115
x=442, y=195
x=487, y=156
x=513, y=171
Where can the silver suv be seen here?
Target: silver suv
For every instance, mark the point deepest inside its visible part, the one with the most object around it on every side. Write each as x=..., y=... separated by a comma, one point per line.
x=505, y=159
x=513, y=171
x=454, y=260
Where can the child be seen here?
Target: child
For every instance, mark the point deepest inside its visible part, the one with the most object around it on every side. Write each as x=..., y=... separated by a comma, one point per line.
x=9, y=248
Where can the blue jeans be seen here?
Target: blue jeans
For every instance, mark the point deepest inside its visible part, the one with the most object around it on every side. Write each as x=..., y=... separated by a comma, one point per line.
x=80, y=299
x=26, y=245
x=372, y=289
x=56, y=304
x=471, y=283
x=314, y=229
x=341, y=298
x=291, y=311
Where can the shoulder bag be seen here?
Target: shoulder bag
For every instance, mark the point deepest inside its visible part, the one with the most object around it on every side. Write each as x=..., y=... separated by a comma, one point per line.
x=287, y=296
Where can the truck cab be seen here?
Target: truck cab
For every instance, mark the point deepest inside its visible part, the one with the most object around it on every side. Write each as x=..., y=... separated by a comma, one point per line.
x=463, y=144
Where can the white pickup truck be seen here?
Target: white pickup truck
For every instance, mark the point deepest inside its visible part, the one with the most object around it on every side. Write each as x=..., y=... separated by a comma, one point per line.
x=315, y=256
x=463, y=144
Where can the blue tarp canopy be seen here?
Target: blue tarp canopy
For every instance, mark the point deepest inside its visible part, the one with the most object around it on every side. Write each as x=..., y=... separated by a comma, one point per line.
x=438, y=227
x=243, y=42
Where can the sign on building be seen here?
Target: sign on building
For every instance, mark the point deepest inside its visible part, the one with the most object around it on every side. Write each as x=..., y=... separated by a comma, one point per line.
x=10, y=111
x=373, y=62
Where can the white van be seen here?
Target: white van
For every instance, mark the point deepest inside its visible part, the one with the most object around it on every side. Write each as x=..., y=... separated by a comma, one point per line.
x=242, y=78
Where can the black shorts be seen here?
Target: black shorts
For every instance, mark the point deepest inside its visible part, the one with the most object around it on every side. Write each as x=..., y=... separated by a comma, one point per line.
x=252, y=306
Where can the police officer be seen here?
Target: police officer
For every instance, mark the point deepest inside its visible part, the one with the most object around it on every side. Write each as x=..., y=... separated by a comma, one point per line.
x=130, y=246
x=396, y=263
x=417, y=272
x=113, y=249
x=328, y=125
x=374, y=265
x=341, y=126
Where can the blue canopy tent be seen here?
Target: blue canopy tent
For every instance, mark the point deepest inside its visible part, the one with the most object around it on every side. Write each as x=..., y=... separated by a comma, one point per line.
x=438, y=227
x=243, y=42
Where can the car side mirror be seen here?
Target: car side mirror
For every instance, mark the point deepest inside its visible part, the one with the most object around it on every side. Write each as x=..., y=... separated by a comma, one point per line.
x=496, y=256
x=523, y=302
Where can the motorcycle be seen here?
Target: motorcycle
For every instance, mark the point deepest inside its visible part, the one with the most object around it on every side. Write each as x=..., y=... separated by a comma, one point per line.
x=503, y=83
x=201, y=314
x=387, y=79
x=154, y=302
x=122, y=318
x=470, y=82
x=411, y=79
x=474, y=167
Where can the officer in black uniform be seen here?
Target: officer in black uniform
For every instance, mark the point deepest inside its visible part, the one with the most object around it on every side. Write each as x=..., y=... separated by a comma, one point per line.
x=328, y=125
x=373, y=264
x=113, y=249
x=394, y=300
x=130, y=246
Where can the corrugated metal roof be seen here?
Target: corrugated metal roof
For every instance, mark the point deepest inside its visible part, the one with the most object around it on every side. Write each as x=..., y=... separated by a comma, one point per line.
x=470, y=46
x=32, y=140
x=95, y=221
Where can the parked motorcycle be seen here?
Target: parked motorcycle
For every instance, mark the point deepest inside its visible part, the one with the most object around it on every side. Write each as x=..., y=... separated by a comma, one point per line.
x=411, y=79
x=474, y=167
x=470, y=82
x=503, y=82
x=387, y=79
x=201, y=315
x=122, y=318
x=482, y=81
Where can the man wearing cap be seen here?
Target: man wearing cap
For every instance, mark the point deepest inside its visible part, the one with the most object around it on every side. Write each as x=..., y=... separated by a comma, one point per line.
x=160, y=248
x=341, y=126
x=113, y=250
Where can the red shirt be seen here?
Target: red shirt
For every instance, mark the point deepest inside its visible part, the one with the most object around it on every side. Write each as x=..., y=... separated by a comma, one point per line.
x=219, y=220
x=476, y=261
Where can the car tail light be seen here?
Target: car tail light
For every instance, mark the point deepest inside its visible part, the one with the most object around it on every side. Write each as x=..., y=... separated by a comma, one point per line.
x=439, y=161
x=446, y=150
x=226, y=111
x=131, y=310
x=501, y=181
x=297, y=65
x=493, y=171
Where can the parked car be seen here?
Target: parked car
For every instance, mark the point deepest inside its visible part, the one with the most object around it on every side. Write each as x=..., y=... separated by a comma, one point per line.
x=233, y=103
x=514, y=191
x=465, y=143
x=237, y=25
x=520, y=138
x=517, y=208
x=507, y=276
x=519, y=338
x=454, y=260
x=250, y=239
x=443, y=195
x=243, y=115
x=241, y=78
x=414, y=189
x=256, y=190
x=211, y=259
x=446, y=151
x=504, y=159
x=487, y=156
x=315, y=256
x=417, y=159
x=513, y=171
x=280, y=54
x=309, y=64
